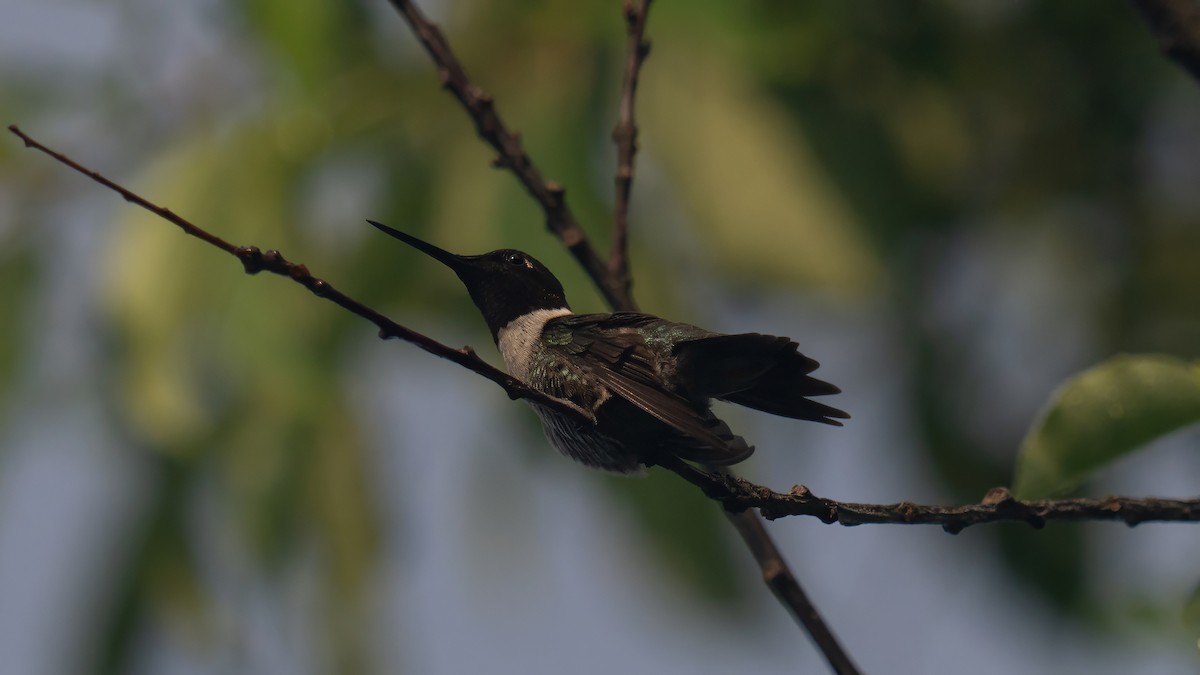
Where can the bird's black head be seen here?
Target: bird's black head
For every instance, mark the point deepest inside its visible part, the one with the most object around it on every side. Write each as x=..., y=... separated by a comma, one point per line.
x=504, y=284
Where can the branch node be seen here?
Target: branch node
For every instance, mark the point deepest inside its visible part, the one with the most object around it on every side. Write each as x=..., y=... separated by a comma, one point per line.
x=772, y=570
x=832, y=514
x=997, y=496
x=251, y=258
x=512, y=388
x=299, y=271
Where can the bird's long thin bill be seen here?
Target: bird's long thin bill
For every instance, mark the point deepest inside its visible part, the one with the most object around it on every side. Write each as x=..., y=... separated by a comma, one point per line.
x=442, y=255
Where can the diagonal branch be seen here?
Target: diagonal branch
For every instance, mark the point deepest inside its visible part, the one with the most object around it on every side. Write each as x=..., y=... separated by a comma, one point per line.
x=1176, y=26
x=625, y=136
x=788, y=591
x=997, y=505
x=255, y=261
x=511, y=155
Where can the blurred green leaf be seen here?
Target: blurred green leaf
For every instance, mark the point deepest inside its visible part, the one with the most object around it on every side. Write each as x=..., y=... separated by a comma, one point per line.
x=339, y=502
x=713, y=130
x=311, y=37
x=242, y=372
x=18, y=277
x=1051, y=562
x=1102, y=414
x=159, y=571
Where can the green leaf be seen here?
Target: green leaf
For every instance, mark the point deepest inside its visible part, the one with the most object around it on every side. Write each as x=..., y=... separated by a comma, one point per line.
x=763, y=202
x=1102, y=414
x=314, y=40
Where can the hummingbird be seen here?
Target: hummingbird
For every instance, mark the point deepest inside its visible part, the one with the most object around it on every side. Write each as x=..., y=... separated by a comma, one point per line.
x=647, y=382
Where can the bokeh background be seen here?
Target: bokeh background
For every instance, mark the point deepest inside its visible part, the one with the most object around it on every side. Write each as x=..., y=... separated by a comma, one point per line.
x=952, y=205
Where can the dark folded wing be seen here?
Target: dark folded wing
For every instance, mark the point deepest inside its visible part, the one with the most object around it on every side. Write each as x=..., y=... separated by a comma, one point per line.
x=620, y=360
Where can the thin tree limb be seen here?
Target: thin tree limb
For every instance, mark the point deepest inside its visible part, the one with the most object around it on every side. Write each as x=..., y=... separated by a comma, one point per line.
x=625, y=136
x=511, y=155
x=254, y=261
x=1176, y=26
x=787, y=590
x=997, y=505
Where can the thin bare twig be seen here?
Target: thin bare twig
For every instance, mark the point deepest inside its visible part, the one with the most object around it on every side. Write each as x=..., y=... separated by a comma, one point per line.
x=775, y=571
x=777, y=575
x=254, y=261
x=997, y=505
x=625, y=136
x=1176, y=26
x=511, y=155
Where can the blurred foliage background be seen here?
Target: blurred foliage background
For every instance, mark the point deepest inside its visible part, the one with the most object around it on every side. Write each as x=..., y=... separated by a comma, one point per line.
x=957, y=204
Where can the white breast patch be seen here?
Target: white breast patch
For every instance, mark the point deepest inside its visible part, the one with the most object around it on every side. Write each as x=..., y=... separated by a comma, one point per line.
x=518, y=338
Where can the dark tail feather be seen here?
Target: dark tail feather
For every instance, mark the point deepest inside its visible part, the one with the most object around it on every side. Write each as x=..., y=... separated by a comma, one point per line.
x=789, y=402
x=763, y=372
x=716, y=365
x=784, y=390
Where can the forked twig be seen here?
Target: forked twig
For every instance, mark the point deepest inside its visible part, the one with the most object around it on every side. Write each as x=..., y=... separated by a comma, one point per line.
x=511, y=155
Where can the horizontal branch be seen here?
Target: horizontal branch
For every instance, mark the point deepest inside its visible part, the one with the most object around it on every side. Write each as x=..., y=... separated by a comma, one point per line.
x=511, y=155
x=997, y=505
x=254, y=261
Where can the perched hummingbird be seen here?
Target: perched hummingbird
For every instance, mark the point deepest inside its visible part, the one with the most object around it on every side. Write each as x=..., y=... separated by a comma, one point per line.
x=647, y=381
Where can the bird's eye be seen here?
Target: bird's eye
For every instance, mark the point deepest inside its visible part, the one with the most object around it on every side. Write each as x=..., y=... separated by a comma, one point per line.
x=514, y=258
